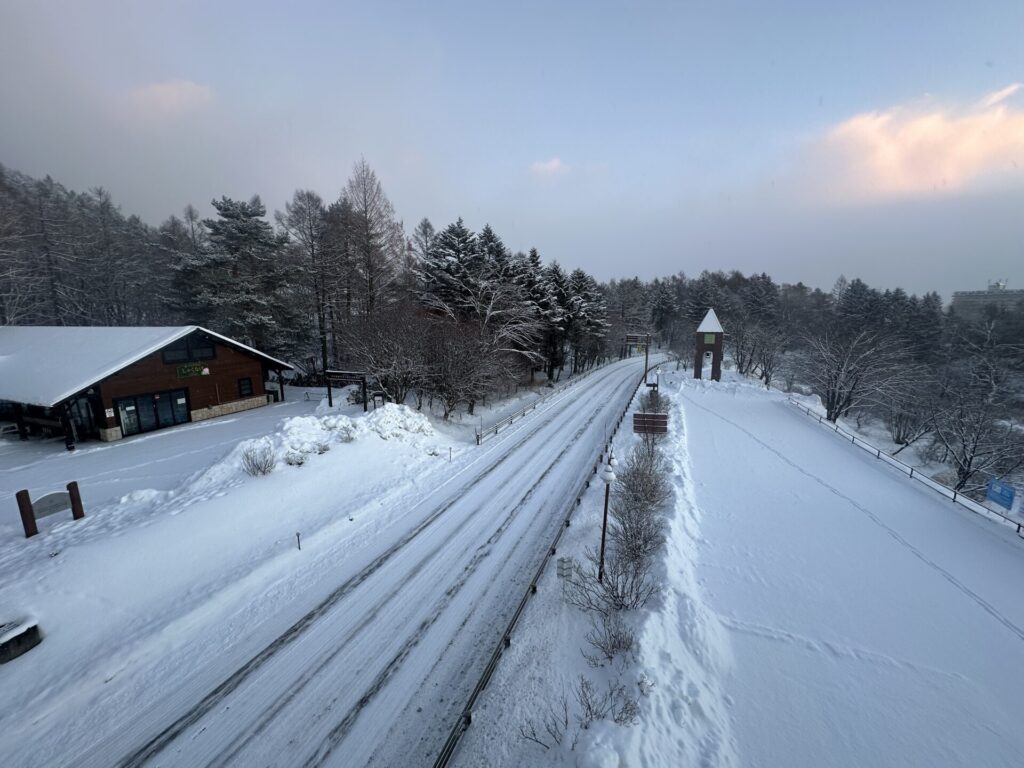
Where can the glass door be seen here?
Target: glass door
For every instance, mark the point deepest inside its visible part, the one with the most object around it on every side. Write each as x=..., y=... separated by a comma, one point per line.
x=179, y=401
x=129, y=417
x=164, y=410
x=147, y=412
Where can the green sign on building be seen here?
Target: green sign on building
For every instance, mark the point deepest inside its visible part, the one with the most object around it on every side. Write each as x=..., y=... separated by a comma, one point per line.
x=192, y=369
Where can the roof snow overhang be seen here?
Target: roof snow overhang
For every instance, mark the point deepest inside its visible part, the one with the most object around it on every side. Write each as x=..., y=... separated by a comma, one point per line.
x=45, y=365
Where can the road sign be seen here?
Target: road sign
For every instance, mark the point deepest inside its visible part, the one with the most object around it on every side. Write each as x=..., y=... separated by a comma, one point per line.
x=650, y=423
x=1001, y=493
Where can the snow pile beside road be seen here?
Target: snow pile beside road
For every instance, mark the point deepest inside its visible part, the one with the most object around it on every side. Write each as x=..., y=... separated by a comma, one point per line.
x=296, y=440
x=303, y=436
x=398, y=421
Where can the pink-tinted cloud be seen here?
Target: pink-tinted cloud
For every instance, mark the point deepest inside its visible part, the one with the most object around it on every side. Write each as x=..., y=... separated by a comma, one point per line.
x=169, y=99
x=908, y=151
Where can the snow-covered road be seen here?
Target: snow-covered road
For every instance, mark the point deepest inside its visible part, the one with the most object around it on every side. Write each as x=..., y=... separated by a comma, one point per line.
x=371, y=660
x=872, y=621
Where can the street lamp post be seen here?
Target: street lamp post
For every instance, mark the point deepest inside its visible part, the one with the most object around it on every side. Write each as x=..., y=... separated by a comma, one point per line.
x=608, y=475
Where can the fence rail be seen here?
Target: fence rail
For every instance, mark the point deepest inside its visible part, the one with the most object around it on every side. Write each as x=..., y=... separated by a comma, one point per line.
x=490, y=431
x=466, y=717
x=913, y=473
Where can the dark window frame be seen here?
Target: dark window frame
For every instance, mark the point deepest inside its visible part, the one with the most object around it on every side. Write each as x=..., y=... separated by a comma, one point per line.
x=242, y=383
x=198, y=347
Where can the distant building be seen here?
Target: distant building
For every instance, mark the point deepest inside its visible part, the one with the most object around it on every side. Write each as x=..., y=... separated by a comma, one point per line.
x=114, y=382
x=977, y=303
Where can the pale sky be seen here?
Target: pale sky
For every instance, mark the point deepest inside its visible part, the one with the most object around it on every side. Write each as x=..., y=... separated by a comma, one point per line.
x=804, y=139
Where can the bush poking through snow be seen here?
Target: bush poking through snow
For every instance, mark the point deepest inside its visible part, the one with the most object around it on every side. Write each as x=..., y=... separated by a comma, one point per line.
x=294, y=458
x=627, y=584
x=643, y=481
x=258, y=458
x=554, y=724
x=654, y=402
x=609, y=636
x=615, y=704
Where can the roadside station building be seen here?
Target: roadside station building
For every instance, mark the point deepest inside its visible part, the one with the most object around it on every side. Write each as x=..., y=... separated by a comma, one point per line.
x=109, y=383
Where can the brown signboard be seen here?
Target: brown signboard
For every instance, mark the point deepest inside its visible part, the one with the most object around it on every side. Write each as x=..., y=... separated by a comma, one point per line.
x=650, y=423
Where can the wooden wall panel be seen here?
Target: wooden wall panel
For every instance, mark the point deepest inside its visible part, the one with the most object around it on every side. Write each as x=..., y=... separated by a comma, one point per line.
x=151, y=374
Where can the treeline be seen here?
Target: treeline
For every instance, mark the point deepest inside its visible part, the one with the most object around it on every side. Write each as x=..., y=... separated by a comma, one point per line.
x=452, y=315
x=448, y=315
x=952, y=385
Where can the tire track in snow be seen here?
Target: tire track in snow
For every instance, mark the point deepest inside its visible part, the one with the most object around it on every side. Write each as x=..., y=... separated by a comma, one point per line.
x=170, y=733
x=275, y=707
x=341, y=730
x=896, y=536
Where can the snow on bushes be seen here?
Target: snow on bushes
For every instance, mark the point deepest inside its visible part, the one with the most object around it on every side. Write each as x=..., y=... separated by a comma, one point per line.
x=303, y=436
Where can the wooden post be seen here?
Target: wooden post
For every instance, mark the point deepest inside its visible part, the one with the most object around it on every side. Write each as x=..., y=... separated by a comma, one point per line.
x=77, y=511
x=28, y=518
x=280, y=384
x=330, y=395
x=364, y=396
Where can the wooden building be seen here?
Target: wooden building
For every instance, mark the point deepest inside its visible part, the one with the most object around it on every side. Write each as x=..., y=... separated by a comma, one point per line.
x=109, y=383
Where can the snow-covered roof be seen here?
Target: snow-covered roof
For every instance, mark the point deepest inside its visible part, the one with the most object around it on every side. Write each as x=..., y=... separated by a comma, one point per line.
x=710, y=323
x=43, y=365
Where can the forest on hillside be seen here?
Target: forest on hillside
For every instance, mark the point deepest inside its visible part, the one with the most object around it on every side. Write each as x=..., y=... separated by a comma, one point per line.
x=455, y=315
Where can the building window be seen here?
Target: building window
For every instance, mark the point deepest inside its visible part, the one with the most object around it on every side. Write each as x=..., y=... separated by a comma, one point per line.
x=245, y=387
x=198, y=346
x=177, y=352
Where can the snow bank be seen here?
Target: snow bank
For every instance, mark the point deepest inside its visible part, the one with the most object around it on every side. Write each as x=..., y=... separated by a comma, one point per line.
x=683, y=647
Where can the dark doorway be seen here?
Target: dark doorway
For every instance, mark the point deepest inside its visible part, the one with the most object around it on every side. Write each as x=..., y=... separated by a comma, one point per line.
x=145, y=413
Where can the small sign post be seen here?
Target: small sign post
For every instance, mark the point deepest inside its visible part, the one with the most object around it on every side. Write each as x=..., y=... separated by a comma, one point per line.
x=49, y=504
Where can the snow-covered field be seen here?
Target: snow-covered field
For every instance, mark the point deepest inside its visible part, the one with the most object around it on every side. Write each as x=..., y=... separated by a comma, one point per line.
x=820, y=610
x=872, y=621
x=184, y=626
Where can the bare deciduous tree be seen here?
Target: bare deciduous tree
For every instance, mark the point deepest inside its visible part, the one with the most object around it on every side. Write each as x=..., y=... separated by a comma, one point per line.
x=855, y=370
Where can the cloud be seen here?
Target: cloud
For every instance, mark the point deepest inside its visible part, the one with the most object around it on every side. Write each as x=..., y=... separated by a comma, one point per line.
x=1000, y=96
x=169, y=99
x=908, y=151
x=549, y=168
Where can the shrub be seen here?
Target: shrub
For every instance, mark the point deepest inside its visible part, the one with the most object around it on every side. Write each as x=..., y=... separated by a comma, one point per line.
x=554, y=724
x=615, y=704
x=295, y=458
x=627, y=584
x=258, y=458
x=610, y=637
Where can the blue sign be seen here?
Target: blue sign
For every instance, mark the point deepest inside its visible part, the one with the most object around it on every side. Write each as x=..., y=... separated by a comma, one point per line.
x=1001, y=493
